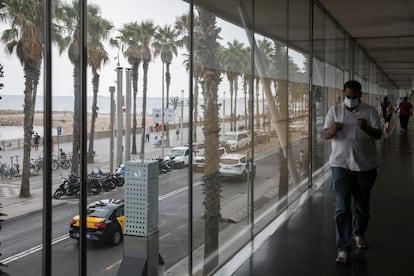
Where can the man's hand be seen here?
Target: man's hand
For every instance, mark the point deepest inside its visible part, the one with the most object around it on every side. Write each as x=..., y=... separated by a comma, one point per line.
x=337, y=127
x=362, y=124
x=374, y=133
x=329, y=133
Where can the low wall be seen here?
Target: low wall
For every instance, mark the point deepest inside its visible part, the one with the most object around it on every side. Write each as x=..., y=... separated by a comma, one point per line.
x=68, y=138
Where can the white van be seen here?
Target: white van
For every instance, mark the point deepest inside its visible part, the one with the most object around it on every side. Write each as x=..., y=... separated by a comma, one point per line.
x=235, y=141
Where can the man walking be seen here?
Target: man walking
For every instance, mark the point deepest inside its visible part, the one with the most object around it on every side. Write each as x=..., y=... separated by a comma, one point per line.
x=353, y=127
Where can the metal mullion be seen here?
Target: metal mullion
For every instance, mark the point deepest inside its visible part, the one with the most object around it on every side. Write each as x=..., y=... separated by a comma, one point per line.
x=47, y=136
x=83, y=137
x=190, y=132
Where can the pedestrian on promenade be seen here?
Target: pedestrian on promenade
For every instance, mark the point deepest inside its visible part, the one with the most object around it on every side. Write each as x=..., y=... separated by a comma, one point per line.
x=36, y=140
x=384, y=105
x=387, y=119
x=353, y=127
x=147, y=134
x=177, y=133
x=406, y=110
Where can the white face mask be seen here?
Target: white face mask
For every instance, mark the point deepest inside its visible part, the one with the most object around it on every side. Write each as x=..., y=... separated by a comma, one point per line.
x=351, y=103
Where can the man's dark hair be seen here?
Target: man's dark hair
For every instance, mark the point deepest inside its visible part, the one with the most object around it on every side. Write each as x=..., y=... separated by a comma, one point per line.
x=353, y=84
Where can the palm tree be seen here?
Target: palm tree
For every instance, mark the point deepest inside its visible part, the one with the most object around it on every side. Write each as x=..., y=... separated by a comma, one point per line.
x=174, y=102
x=98, y=29
x=68, y=38
x=25, y=36
x=182, y=25
x=265, y=50
x=231, y=60
x=165, y=45
x=129, y=39
x=208, y=48
x=147, y=33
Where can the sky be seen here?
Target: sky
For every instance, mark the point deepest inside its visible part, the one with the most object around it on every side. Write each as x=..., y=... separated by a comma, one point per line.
x=118, y=14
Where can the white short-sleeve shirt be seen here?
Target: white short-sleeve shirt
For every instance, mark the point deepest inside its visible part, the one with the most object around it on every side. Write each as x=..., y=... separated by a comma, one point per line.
x=352, y=148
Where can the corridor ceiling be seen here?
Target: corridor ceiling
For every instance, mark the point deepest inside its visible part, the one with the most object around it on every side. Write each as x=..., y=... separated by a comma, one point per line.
x=384, y=28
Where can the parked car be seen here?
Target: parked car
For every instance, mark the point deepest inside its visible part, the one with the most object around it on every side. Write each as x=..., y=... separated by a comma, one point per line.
x=261, y=136
x=199, y=159
x=196, y=147
x=180, y=157
x=235, y=141
x=236, y=165
x=104, y=221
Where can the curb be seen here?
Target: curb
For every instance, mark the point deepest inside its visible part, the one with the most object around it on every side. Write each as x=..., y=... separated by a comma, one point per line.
x=15, y=217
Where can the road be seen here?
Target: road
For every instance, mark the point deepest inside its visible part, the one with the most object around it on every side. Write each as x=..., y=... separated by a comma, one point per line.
x=21, y=238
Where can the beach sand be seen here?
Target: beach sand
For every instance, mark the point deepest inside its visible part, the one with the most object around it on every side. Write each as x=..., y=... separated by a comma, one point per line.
x=61, y=119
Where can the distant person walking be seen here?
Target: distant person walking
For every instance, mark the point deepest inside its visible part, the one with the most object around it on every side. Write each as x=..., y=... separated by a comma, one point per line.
x=36, y=140
x=387, y=119
x=405, y=110
x=353, y=127
x=147, y=134
x=384, y=105
x=177, y=133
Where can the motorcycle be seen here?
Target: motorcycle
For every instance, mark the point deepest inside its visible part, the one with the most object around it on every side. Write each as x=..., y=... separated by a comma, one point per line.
x=105, y=180
x=119, y=175
x=71, y=186
x=164, y=164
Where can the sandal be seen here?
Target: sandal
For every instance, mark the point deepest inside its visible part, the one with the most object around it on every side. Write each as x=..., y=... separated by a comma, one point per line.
x=342, y=257
x=360, y=242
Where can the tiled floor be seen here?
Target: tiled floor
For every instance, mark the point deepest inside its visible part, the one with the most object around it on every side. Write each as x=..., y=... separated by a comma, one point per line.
x=305, y=245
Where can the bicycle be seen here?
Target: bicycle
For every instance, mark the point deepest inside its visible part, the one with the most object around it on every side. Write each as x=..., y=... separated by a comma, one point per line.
x=63, y=163
x=36, y=165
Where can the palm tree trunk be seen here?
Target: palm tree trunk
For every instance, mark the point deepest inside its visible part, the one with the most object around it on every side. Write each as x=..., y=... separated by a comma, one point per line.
x=211, y=182
x=144, y=110
x=246, y=90
x=95, y=85
x=250, y=105
x=235, y=103
x=134, y=116
x=257, y=103
x=76, y=120
x=195, y=108
x=231, y=105
x=31, y=81
x=168, y=81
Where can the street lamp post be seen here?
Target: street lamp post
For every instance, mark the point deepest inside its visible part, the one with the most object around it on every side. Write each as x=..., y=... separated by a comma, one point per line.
x=127, y=150
x=111, y=126
x=119, y=125
x=182, y=116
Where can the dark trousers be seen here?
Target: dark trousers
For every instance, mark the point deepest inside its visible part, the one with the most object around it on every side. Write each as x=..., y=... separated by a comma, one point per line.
x=351, y=193
x=404, y=121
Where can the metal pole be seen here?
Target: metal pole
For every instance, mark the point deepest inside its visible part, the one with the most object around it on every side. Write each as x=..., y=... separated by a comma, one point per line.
x=127, y=150
x=162, y=112
x=182, y=117
x=111, y=126
x=119, y=117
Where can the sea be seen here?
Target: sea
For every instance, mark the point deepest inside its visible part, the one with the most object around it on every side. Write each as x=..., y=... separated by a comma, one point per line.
x=66, y=103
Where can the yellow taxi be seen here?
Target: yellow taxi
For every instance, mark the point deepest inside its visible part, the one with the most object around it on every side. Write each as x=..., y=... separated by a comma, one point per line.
x=104, y=221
